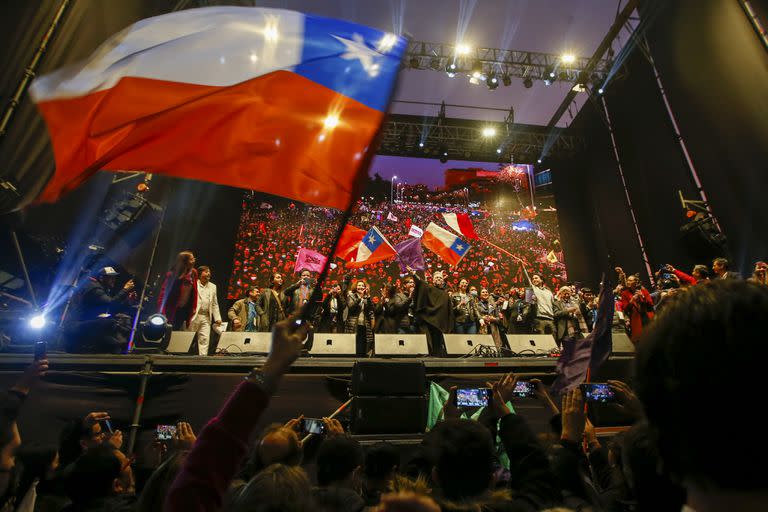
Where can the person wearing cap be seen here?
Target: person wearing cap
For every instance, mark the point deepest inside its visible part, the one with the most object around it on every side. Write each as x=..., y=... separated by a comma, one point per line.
x=93, y=327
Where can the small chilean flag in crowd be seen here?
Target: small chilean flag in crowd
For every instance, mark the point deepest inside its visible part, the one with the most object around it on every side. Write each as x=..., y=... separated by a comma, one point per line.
x=374, y=247
x=444, y=243
x=263, y=99
x=460, y=223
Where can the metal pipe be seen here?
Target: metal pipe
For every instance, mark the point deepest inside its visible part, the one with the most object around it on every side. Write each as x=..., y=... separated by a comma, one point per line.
x=24, y=268
x=30, y=71
x=147, y=276
x=626, y=192
x=144, y=375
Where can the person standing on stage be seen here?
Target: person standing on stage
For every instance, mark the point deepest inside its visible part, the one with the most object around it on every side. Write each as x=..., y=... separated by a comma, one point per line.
x=636, y=304
x=408, y=321
x=360, y=317
x=465, y=310
x=489, y=316
x=390, y=310
x=300, y=292
x=207, y=311
x=543, y=307
x=246, y=314
x=272, y=303
x=433, y=310
x=333, y=311
x=178, y=296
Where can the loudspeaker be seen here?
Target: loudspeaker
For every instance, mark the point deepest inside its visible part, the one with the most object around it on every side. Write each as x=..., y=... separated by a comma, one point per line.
x=400, y=345
x=532, y=344
x=621, y=343
x=181, y=342
x=389, y=378
x=464, y=344
x=245, y=342
x=325, y=344
x=389, y=414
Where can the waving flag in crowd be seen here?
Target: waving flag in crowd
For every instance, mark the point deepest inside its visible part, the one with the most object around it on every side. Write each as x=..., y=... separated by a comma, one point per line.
x=444, y=243
x=415, y=231
x=410, y=254
x=374, y=247
x=460, y=223
x=265, y=99
x=349, y=242
x=309, y=260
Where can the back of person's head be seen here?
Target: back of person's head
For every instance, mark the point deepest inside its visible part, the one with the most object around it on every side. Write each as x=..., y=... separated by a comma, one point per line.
x=156, y=488
x=337, y=459
x=381, y=461
x=640, y=464
x=277, y=488
x=276, y=445
x=698, y=378
x=463, y=458
x=702, y=270
x=70, y=441
x=93, y=474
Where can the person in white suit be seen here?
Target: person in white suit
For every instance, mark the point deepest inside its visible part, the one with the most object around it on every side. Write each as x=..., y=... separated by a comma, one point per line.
x=207, y=312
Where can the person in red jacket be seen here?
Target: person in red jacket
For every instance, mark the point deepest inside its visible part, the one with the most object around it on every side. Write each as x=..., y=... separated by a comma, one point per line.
x=700, y=273
x=636, y=303
x=178, y=296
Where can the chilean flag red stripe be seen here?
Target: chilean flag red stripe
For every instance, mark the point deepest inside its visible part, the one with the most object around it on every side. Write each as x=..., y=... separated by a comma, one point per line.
x=460, y=223
x=444, y=243
x=263, y=99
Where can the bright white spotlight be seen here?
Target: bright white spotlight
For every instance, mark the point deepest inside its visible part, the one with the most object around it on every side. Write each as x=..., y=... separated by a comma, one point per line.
x=37, y=321
x=157, y=320
x=463, y=49
x=386, y=43
x=498, y=151
x=394, y=177
x=421, y=144
x=600, y=91
x=568, y=58
x=477, y=75
x=489, y=131
x=332, y=121
x=539, y=160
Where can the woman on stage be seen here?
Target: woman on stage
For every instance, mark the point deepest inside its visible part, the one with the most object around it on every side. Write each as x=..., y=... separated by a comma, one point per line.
x=489, y=316
x=465, y=310
x=178, y=296
x=360, y=310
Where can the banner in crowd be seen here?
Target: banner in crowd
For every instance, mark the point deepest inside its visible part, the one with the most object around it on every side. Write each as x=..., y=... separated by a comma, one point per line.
x=309, y=260
x=233, y=95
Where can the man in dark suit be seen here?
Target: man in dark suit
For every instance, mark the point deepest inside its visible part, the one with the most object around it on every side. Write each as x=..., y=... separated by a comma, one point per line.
x=720, y=269
x=333, y=311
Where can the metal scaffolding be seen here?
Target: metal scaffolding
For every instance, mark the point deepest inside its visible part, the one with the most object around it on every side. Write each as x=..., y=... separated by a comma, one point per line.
x=416, y=136
x=503, y=63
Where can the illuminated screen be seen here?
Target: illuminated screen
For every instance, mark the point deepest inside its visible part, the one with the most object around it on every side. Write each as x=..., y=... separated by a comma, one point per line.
x=507, y=212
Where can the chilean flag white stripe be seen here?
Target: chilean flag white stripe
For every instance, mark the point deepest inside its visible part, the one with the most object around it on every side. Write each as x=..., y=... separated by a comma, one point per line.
x=460, y=223
x=373, y=242
x=217, y=46
x=445, y=244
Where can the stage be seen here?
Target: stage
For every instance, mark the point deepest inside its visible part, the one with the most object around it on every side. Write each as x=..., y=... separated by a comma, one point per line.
x=191, y=388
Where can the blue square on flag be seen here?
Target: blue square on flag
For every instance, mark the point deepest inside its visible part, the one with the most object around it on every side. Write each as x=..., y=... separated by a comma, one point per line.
x=372, y=240
x=460, y=247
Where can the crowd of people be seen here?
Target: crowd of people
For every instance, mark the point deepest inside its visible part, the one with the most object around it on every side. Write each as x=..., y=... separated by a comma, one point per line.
x=692, y=444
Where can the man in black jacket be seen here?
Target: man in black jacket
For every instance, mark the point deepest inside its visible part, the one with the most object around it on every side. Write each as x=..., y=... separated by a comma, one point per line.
x=94, y=326
x=332, y=311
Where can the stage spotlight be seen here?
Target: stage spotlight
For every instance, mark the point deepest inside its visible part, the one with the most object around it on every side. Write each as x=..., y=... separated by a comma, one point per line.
x=421, y=144
x=451, y=69
x=463, y=49
x=600, y=91
x=539, y=160
x=568, y=58
x=506, y=80
x=489, y=131
x=498, y=151
x=477, y=68
x=492, y=82
x=155, y=328
x=527, y=82
x=414, y=62
x=443, y=155
x=37, y=321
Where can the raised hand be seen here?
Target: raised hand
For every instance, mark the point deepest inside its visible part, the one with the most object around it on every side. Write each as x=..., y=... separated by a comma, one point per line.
x=31, y=376
x=573, y=416
x=333, y=427
x=294, y=424
x=184, y=438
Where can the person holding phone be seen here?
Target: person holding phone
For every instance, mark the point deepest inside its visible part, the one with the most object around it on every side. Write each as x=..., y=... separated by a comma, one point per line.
x=300, y=292
x=93, y=327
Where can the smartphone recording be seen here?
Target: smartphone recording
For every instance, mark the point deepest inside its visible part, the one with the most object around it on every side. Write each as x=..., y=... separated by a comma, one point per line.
x=473, y=397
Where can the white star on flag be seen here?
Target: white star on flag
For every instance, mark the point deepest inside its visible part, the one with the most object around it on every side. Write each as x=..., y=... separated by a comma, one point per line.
x=356, y=49
x=371, y=239
x=459, y=247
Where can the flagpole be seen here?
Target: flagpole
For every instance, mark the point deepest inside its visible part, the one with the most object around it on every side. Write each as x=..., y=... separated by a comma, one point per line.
x=519, y=260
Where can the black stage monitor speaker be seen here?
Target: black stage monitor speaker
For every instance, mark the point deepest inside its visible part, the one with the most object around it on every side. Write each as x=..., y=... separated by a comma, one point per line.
x=389, y=378
x=466, y=344
x=401, y=345
x=180, y=342
x=245, y=342
x=389, y=414
x=325, y=344
x=532, y=344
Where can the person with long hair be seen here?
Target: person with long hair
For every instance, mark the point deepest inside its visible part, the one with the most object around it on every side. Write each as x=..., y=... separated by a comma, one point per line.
x=489, y=316
x=272, y=303
x=465, y=310
x=360, y=312
x=178, y=296
x=389, y=312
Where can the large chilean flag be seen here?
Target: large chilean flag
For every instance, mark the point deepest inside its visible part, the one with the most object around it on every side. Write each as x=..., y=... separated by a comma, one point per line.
x=264, y=99
x=444, y=243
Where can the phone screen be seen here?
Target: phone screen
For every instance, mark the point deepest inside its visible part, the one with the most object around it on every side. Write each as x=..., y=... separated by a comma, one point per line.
x=473, y=397
x=523, y=389
x=40, y=350
x=313, y=426
x=166, y=432
x=106, y=426
x=597, y=392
